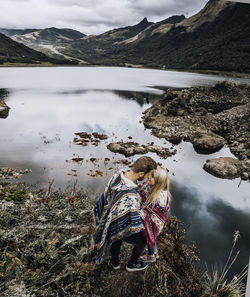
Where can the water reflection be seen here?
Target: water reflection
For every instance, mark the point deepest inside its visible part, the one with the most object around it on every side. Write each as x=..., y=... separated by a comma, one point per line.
x=211, y=223
x=140, y=97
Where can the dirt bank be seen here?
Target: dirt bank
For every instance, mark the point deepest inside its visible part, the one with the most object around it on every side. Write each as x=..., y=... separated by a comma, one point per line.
x=209, y=118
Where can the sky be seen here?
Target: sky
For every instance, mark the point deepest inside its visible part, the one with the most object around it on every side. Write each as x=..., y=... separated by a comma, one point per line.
x=91, y=16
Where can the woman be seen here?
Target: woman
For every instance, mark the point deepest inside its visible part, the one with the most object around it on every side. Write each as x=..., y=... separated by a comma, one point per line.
x=156, y=201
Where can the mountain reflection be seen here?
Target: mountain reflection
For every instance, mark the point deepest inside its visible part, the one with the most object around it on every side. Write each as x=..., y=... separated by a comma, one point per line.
x=140, y=97
x=212, y=224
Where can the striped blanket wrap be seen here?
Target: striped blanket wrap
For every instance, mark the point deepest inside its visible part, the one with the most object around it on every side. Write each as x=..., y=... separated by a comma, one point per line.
x=115, y=213
x=155, y=215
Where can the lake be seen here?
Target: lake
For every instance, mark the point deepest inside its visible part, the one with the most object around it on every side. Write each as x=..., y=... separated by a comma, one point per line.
x=49, y=105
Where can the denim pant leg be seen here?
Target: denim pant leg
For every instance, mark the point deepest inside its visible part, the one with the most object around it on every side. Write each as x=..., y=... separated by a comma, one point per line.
x=139, y=242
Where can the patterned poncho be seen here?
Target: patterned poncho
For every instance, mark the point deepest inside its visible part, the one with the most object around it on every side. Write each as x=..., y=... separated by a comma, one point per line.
x=154, y=213
x=115, y=214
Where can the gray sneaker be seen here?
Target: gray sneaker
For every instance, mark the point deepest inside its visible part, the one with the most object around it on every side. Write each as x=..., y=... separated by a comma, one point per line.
x=139, y=266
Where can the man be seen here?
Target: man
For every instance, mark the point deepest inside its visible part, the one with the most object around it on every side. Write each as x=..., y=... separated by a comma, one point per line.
x=116, y=214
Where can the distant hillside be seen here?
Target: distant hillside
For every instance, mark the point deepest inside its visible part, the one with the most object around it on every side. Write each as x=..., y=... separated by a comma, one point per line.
x=217, y=38
x=42, y=36
x=46, y=40
x=13, y=52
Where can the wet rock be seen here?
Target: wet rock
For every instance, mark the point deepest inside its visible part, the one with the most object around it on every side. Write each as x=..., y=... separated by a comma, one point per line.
x=244, y=176
x=207, y=143
x=86, y=138
x=4, y=109
x=132, y=148
x=92, y=160
x=96, y=173
x=124, y=162
x=83, y=134
x=77, y=159
x=224, y=167
x=100, y=136
x=128, y=149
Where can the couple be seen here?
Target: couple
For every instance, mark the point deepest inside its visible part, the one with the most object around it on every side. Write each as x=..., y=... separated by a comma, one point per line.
x=132, y=213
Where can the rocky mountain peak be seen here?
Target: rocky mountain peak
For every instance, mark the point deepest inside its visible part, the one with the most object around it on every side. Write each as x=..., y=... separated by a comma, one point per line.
x=208, y=14
x=144, y=21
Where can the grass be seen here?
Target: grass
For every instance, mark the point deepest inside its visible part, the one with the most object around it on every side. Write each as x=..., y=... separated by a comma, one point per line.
x=216, y=283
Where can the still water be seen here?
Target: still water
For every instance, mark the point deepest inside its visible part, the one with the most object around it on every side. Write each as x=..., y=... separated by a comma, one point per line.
x=49, y=105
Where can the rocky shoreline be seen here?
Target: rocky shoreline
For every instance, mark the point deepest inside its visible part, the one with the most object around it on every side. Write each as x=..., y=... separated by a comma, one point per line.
x=209, y=118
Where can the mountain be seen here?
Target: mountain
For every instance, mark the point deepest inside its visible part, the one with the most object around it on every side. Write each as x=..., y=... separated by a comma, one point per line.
x=216, y=38
x=70, y=44
x=46, y=40
x=42, y=36
x=13, y=52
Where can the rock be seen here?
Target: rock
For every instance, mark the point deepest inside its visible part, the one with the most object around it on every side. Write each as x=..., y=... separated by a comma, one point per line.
x=207, y=143
x=224, y=167
x=77, y=159
x=83, y=134
x=4, y=109
x=244, y=176
x=92, y=160
x=100, y=136
x=132, y=148
x=208, y=117
x=126, y=148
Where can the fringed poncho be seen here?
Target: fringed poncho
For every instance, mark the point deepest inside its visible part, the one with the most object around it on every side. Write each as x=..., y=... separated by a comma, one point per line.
x=155, y=213
x=116, y=213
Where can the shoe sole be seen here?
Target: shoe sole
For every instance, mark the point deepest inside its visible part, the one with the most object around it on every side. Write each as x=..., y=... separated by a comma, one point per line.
x=116, y=267
x=135, y=269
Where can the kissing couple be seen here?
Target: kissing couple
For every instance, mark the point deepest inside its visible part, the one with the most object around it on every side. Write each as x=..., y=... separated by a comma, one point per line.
x=132, y=212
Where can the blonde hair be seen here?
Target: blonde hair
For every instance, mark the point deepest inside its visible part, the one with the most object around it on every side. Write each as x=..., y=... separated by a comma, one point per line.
x=161, y=183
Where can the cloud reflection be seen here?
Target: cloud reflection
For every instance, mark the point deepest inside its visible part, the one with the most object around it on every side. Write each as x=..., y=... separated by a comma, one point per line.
x=211, y=223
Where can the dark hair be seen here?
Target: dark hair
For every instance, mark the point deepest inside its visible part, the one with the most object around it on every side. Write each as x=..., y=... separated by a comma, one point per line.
x=144, y=164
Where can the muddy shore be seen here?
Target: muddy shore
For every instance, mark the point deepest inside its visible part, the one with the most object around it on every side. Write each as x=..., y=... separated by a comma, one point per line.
x=209, y=118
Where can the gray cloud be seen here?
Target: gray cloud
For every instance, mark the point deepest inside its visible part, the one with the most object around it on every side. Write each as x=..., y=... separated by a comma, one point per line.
x=91, y=16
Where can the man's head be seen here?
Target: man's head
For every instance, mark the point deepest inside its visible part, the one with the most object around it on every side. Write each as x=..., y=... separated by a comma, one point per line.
x=144, y=167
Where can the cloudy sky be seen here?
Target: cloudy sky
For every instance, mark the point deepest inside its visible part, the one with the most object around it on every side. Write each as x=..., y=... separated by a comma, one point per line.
x=91, y=16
